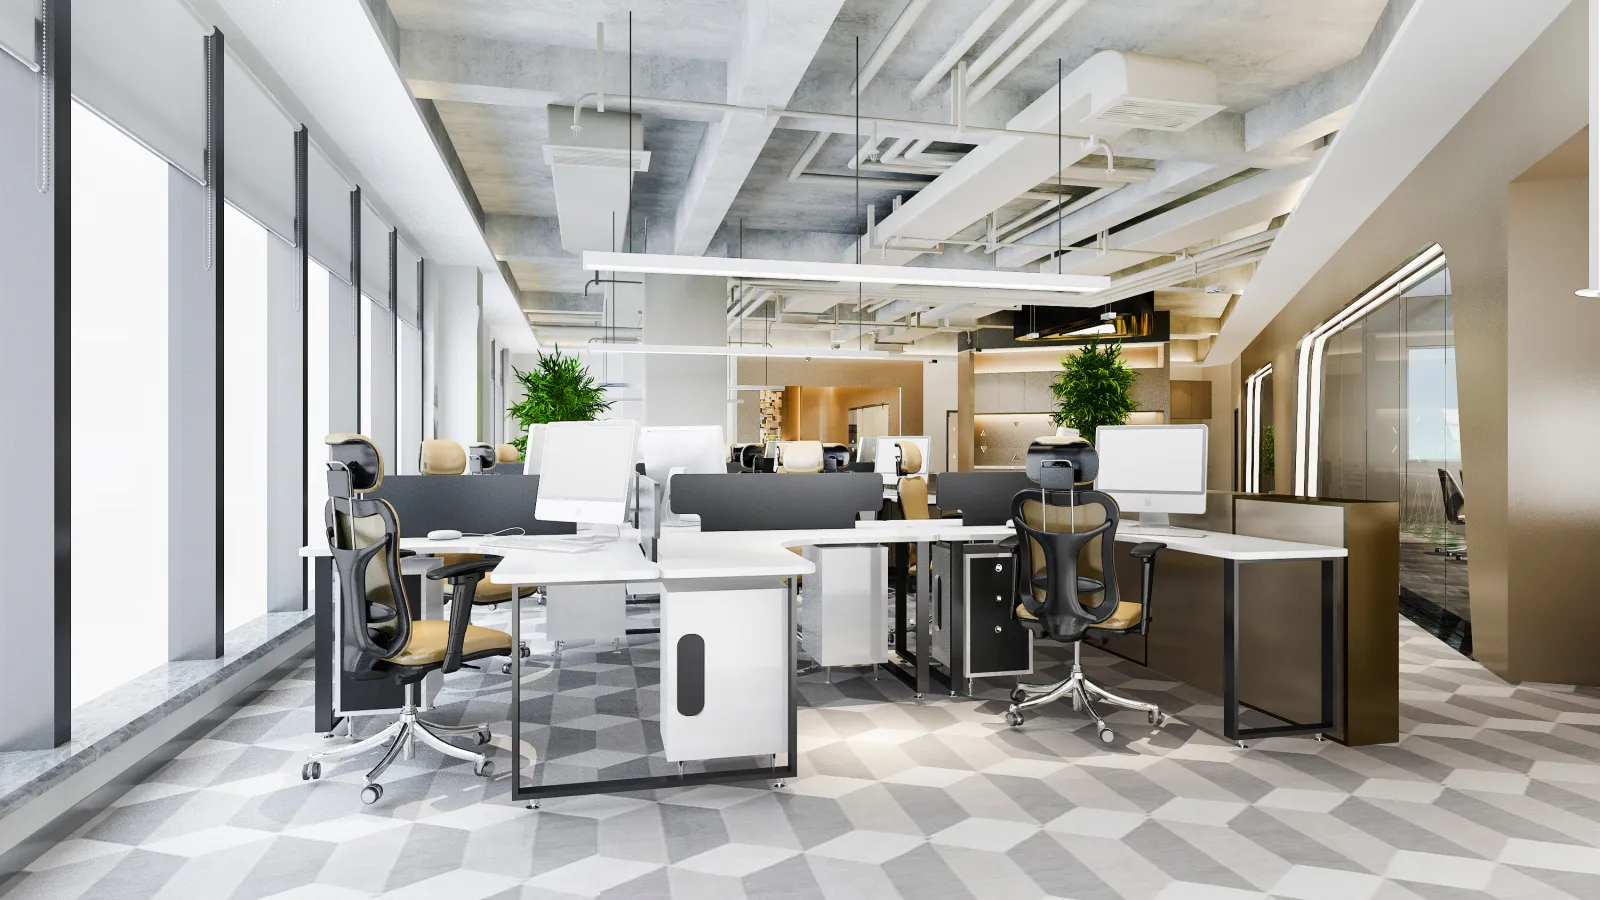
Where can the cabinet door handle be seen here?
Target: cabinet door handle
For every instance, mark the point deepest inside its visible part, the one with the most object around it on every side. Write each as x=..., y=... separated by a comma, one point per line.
x=999, y=567
x=997, y=629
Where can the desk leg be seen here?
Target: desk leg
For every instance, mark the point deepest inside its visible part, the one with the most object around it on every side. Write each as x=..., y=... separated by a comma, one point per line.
x=1230, y=650
x=902, y=590
x=1328, y=683
x=924, y=618
x=322, y=643
x=792, y=764
x=516, y=692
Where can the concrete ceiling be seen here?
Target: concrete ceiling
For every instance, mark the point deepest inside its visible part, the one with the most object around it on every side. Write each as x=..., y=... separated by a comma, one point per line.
x=1288, y=72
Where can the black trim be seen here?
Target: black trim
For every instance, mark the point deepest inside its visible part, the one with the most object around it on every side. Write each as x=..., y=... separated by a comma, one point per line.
x=422, y=367
x=355, y=291
x=302, y=231
x=215, y=154
x=58, y=50
x=394, y=340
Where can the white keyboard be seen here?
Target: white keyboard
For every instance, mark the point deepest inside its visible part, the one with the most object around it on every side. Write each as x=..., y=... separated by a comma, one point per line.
x=543, y=542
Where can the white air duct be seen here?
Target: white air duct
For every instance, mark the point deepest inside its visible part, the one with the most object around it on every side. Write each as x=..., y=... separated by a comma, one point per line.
x=592, y=171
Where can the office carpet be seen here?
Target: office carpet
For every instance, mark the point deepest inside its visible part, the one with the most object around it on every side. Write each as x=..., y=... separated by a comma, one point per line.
x=1494, y=791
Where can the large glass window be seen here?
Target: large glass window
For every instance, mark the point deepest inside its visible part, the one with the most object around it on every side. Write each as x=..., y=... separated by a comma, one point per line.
x=408, y=401
x=119, y=401
x=244, y=420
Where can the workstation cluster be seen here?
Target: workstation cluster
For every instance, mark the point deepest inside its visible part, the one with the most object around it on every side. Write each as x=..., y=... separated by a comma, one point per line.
x=738, y=584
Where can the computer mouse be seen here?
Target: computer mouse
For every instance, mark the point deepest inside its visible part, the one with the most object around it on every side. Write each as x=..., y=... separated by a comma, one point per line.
x=444, y=534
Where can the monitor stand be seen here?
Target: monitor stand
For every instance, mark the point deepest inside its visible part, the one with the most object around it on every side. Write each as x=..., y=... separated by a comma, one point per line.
x=1157, y=524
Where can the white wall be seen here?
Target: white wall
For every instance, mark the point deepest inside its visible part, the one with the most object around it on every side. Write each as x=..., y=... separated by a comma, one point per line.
x=685, y=390
x=455, y=336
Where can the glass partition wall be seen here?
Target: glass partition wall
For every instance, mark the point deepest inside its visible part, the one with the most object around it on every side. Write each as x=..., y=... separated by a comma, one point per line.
x=1386, y=426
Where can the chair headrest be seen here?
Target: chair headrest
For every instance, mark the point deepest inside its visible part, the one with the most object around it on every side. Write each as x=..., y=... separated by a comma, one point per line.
x=506, y=453
x=443, y=458
x=1079, y=454
x=360, y=458
x=910, y=457
x=801, y=456
x=484, y=453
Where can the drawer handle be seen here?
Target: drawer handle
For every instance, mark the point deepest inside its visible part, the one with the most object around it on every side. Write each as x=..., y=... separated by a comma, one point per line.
x=999, y=598
x=998, y=567
x=997, y=629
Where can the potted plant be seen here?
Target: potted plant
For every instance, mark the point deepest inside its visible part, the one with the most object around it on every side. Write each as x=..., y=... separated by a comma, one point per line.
x=1093, y=389
x=558, y=389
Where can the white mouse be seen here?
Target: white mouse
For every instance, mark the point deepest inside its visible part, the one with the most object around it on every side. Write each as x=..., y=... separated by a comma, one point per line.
x=444, y=534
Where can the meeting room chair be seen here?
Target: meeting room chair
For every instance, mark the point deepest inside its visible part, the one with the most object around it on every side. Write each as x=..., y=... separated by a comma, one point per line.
x=378, y=636
x=442, y=458
x=1455, y=514
x=1066, y=540
x=803, y=457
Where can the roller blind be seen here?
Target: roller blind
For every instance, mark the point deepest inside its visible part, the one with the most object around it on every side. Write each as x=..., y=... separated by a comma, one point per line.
x=374, y=256
x=259, y=158
x=141, y=64
x=328, y=209
x=410, y=298
x=17, y=23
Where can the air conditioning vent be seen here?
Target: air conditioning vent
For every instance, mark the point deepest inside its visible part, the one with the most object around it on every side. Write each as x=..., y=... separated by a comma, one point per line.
x=596, y=157
x=1153, y=115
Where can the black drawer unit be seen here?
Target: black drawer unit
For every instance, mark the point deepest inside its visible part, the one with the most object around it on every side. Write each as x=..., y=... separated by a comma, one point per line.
x=973, y=595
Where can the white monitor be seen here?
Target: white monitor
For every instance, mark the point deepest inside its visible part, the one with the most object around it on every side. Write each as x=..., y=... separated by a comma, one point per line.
x=886, y=454
x=1153, y=470
x=587, y=472
x=682, y=450
x=533, y=455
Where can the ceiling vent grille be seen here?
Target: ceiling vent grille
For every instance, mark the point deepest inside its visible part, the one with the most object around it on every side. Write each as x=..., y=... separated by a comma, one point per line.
x=596, y=157
x=1152, y=114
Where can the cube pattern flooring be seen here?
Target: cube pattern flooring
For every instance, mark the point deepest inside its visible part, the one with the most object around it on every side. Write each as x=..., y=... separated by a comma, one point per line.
x=1493, y=791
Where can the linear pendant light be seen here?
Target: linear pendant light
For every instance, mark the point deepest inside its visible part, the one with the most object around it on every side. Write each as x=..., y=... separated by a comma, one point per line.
x=852, y=273
x=749, y=350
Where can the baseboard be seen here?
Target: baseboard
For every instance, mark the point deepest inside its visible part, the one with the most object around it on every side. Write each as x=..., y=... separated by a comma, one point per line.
x=33, y=828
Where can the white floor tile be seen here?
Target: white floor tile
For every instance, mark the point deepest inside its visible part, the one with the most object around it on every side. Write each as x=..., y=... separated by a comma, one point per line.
x=1302, y=800
x=994, y=835
x=1102, y=823
x=1445, y=871
x=460, y=884
x=591, y=876
x=1557, y=857
x=1314, y=883
x=1198, y=812
x=874, y=847
x=736, y=860
x=1486, y=781
x=1391, y=789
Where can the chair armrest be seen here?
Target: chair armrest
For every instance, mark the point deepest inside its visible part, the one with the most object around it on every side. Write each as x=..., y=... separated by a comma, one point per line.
x=407, y=554
x=462, y=569
x=1146, y=550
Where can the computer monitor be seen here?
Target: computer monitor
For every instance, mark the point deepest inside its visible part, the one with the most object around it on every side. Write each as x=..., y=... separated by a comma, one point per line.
x=533, y=454
x=887, y=455
x=587, y=472
x=682, y=450
x=1153, y=470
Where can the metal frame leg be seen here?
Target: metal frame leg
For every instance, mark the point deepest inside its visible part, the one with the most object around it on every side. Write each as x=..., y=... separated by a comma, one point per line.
x=400, y=741
x=361, y=746
x=1231, y=704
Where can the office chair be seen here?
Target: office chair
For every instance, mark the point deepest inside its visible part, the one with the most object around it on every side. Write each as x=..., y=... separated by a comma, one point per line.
x=749, y=455
x=1063, y=520
x=507, y=453
x=1455, y=513
x=442, y=458
x=378, y=638
x=800, y=456
x=835, y=458
x=480, y=458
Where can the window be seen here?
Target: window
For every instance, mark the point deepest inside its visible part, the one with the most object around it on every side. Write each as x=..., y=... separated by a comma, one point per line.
x=317, y=285
x=244, y=420
x=365, y=365
x=408, y=401
x=1434, y=431
x=119, y=400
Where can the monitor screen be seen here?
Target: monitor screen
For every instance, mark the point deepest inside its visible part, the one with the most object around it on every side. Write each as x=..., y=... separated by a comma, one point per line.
x=587, y=471
x=1152, y=459
x=696, y=449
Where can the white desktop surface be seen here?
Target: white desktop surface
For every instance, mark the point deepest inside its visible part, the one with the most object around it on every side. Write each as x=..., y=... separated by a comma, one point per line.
x=619, y=560
x=689, y=553
x=1239, y=547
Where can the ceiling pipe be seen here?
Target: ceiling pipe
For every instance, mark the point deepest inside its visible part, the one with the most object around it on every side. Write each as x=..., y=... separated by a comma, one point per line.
x=959, y=49
x=1236, y=253
x=1029, y=44
x=600, y=65
x=891, y=41
x=1013, y=33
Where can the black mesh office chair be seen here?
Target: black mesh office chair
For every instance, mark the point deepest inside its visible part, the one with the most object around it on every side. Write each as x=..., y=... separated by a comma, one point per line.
x=1067, y=577
x=378, y=637
x=1455, y=513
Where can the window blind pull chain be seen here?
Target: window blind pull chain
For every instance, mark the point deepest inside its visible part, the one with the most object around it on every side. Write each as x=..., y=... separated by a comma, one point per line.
x=46, y=100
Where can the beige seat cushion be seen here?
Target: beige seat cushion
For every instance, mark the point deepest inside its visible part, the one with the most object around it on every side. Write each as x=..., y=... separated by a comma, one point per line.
x=430, y=638
x=443, y=458
x=506, y=453
x=913, y=498
x=1127, y=616
x=800, y=456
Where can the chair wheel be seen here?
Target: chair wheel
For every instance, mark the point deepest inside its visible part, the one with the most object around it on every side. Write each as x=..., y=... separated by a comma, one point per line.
x=484, y=769
x=311, y=771
x=1155, y=717
x=371, y=794
x=482, y=737
x=1018, y=694
x=524, y=652
x=1014, y=718
x=1107, y=735
x=505, y=668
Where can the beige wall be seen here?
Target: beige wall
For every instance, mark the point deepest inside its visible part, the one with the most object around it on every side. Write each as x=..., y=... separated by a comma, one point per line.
x=906, y=375
x=1458, y=197
x=812, y=413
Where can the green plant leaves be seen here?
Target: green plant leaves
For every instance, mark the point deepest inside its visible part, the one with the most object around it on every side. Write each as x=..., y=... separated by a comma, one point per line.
x=1093, y=389
x=558, y=389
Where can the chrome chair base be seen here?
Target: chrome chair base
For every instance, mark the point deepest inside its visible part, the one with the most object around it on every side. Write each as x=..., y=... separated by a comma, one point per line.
x=401, y=737
x=1082, y=692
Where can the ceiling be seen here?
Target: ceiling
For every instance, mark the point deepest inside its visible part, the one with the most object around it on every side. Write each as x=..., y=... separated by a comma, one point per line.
x=1209, y=198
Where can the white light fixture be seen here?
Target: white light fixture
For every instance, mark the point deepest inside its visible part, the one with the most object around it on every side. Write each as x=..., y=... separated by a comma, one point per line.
x=1252, y=429
x=737, y=350
x=850, y=273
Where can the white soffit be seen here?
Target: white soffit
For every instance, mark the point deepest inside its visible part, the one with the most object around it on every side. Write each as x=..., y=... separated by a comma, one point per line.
x=1446, y=56
x=851, y=273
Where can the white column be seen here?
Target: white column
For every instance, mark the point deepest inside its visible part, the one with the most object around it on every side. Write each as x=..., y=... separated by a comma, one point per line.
x=457, y=345
x=685, y=390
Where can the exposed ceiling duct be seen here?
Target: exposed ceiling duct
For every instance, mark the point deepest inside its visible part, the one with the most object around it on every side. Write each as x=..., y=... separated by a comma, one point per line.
x=592, y=171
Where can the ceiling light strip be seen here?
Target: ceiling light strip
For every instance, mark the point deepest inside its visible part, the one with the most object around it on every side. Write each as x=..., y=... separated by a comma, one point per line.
x=1312, y=348
x=1252, y=455
x=799, y=270
x=737, y=350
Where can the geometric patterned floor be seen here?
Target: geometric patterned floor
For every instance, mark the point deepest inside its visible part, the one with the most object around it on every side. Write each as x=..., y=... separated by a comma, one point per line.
x=1494, y=791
